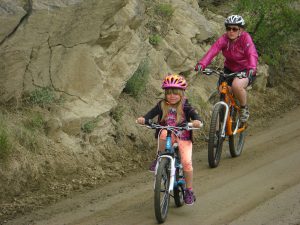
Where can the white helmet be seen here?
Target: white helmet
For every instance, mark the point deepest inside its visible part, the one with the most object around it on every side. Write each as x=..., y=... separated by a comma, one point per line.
x=235, y=20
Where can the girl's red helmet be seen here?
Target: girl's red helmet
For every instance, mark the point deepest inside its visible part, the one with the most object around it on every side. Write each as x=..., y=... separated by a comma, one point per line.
x=174, y=81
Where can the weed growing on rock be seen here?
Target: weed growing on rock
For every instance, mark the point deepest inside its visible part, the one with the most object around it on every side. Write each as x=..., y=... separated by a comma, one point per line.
x=89, y=126
x=42, y=96
x=155, y=39
x=137, y=83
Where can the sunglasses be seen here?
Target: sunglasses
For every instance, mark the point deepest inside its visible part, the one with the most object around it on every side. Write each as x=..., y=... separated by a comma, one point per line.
x=234, y=29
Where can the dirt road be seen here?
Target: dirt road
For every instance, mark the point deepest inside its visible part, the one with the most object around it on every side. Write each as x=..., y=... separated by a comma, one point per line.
x=262, y=186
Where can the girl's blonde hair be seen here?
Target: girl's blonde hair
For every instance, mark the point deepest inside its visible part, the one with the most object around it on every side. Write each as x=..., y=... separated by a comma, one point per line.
x=165, y=106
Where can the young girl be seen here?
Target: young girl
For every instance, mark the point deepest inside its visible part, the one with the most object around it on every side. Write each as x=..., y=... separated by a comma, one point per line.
x=174, y=110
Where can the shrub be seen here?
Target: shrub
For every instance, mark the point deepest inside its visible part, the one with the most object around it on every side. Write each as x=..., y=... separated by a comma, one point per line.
x=137, y=83
x=117, y=113
x=89, y=126
x=164, y=10
x=42, y=96
x=27, y=138
x=35, y=121
x=272, y=24
x=155, y=39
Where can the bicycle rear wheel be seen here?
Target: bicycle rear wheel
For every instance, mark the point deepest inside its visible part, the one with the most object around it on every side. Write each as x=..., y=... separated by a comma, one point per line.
x=161, y=190
x=215, y=141
x=236, y=142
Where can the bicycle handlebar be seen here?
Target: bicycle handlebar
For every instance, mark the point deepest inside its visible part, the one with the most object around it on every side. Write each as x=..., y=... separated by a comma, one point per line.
x=188, y=126
x=209, y=71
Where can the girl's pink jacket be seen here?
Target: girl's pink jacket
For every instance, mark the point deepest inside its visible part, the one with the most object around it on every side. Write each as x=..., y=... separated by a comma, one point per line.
x=239, y=55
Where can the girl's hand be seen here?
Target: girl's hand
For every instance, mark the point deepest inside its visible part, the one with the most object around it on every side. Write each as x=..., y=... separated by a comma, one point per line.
x=141, y=120
x=197, y=123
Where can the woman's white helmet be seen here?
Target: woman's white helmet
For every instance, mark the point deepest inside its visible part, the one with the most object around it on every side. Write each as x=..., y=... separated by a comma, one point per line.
x=235, y=20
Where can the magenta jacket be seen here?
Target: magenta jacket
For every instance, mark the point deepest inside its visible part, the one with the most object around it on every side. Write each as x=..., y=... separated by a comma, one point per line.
x=239, y=55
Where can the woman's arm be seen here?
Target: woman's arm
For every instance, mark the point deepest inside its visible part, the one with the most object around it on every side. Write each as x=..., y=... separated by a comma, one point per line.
x=213, y=51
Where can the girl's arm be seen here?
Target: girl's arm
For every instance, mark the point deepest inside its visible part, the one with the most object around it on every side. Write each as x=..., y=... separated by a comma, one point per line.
x=150, y=115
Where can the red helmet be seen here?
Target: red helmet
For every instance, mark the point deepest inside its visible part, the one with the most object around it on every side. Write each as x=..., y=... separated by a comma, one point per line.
x=174, y=81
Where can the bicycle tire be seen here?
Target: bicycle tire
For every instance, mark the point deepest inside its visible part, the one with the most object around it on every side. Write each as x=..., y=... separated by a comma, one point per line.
x=215, y=141
x=236, y=142
x=178, y=191
x=161, y=190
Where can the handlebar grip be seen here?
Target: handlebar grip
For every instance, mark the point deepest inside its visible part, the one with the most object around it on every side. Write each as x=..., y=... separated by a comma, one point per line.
x=191, y=125
x=148, y=122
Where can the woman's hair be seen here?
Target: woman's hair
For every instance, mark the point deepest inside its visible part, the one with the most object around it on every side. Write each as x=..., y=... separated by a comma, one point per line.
x=165, y=106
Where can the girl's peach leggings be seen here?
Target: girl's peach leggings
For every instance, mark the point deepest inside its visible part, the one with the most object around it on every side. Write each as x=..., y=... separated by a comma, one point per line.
x=185, y=150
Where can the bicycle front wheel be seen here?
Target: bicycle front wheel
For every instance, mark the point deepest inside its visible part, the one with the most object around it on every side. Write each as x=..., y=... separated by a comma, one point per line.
x=215, y=141
x=179, y=189
x=236, y=142
x=161, y=190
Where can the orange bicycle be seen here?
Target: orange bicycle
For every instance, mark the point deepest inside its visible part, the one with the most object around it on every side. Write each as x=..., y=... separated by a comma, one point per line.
x=225, y=121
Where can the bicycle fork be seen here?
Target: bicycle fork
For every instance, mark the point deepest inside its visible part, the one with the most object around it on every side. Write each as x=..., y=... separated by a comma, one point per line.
x=225, y=117
x=169, y=149
x=223, y=134
x=172, y=172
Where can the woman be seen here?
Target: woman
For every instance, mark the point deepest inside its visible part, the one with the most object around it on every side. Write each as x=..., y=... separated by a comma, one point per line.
x=240, y=55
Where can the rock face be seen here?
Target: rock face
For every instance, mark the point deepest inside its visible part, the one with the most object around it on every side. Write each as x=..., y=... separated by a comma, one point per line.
x=87, y=50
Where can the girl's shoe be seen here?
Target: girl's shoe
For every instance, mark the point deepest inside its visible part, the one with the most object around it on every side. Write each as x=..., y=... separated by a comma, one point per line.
x=152, y=166
x=189, y=197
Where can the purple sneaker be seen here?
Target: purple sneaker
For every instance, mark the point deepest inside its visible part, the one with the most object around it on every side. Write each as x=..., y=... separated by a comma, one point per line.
x=152, y=166
x=189, y=197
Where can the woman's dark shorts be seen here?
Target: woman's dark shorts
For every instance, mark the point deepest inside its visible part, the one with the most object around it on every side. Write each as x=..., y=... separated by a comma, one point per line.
x=226, y=70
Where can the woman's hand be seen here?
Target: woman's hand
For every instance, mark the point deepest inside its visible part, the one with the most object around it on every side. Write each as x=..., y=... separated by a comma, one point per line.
x=197, y=123
x=141, y=120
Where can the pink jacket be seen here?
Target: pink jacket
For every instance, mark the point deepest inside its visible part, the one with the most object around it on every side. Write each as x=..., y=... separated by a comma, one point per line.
x=239, y=55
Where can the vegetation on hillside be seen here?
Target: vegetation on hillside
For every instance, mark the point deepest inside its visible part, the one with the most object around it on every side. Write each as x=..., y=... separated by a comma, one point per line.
x=158, y=24
x=274, y=25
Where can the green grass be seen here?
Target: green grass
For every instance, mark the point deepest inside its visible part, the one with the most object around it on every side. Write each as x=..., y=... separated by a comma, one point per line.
x=27, y=138
x=5, y=145
x=117, y=113
x=90, y=125
x=164, y=10
x=34, y=121
x=5, y=141
x=42, y=96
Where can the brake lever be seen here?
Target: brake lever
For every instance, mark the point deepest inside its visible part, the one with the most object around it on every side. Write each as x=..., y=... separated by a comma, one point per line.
x=242, y=75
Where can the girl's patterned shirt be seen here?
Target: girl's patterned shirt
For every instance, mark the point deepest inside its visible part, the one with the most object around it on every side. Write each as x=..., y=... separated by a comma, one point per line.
x=171, y=121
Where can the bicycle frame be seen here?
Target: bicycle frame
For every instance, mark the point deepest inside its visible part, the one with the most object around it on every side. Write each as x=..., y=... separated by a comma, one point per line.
x=225, y=120
x=228, y=101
